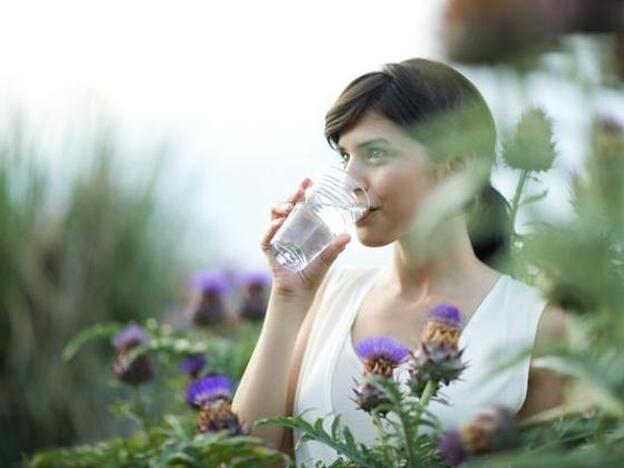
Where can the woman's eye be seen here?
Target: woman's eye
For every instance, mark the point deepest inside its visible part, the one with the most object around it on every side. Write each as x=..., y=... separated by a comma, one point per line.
x=376, y=153
x=344, y=158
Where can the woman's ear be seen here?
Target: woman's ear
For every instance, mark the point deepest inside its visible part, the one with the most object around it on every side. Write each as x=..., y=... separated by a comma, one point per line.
x=453, y=165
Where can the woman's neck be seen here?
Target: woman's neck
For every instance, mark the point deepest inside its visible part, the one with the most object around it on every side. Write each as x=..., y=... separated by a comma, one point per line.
x=418, y=274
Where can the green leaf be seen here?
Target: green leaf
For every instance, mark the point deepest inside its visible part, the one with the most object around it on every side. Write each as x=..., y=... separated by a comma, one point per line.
x=100, y=330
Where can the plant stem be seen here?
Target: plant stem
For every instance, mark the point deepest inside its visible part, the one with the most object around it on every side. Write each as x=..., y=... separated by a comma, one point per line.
x=409, y=439
x=383, y=438
x=430, y=389
x=139, y=409
x=515, y=204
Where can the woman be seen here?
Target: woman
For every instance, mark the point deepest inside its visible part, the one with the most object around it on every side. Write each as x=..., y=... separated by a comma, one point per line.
x=392, y=130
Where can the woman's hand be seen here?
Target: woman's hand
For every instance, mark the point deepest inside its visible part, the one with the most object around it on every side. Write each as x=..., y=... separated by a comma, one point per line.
x=307, y=281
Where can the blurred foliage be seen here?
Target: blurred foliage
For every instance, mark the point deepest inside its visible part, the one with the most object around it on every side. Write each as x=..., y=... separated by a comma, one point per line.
x=108, y=253
x=107, y=257
x=172, y=443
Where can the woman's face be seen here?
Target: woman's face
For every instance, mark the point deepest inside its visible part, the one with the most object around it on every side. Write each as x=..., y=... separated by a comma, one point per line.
x=394, y=169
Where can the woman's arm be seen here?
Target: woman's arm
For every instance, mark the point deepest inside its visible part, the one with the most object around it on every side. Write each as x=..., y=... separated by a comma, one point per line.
x=262, y=390
x=268, y=385
x=546, y=388
x=294, y=296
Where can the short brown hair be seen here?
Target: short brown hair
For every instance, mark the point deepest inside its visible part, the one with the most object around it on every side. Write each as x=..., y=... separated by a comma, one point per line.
x=444, y=111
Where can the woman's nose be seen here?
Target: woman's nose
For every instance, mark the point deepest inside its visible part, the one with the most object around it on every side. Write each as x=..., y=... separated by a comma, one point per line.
x=359, y=175
x=354, y=169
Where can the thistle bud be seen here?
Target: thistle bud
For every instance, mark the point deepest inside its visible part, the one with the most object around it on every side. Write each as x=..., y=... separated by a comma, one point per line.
x=380, y=355
x=218, y=416
x=139, y=370
x=438, y=357
x=254, y=296
x=193, y=364
x=494, y=429
x=208, y=301
x=531, y=147
x=210, y=395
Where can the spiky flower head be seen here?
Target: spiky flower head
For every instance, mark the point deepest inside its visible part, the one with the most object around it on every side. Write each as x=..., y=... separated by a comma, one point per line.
x=218, y=416
x=211, y=281
x=131, y=336
x=435, y=362
x=451, y=447
x=193, y=364
x=381, y=354
x=255, y=299
x=438, y=357
x=443, y=326
x=531, y=147
x=138, y=370
x=255, y=279
x=208, y=301
x=494, y=429
x=369, y=396
x=135, y=372
x=208, y=389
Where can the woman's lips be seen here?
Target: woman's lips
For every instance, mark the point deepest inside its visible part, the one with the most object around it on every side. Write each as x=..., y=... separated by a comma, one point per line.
x=367, y=214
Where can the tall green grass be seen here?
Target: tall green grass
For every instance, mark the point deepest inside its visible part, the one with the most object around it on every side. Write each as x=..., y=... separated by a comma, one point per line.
x=109, y=251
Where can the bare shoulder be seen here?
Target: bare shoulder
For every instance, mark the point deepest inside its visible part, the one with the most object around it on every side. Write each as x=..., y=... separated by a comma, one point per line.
x=546, y=389
x=553, y=325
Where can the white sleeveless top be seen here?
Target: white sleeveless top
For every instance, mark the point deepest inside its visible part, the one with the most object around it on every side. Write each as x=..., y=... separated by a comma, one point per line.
x=504, y=323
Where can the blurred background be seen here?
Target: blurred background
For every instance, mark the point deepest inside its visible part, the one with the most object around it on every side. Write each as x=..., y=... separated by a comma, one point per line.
x=141, y=142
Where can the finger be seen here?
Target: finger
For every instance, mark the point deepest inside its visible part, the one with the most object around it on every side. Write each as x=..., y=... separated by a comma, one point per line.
x=281, y=209
x=329, y=255
x=265, y=242
x=299, y=194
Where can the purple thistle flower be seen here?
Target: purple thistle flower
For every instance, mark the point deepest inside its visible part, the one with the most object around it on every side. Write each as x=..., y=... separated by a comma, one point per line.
x=381, y=354
x=193, y=364
x=131, y=336
x=492, y=430
x=211, y=282
x=139, y=370
x=443, y=326
x=438, y=357
x=134, y=372
x=208, y=389
x=255, y=299
x=445, y=313
x=218, y=416
x=208, y=304
x=255, y=278
x=452, y=448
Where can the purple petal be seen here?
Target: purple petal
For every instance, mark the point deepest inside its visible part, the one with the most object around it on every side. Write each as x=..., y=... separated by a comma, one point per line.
x=452, y=448
x=132, y=335
x=386, y=347
x=208, y=388
x=211, y=281
x=259, y=278
x=193, y=364
x=446, y=313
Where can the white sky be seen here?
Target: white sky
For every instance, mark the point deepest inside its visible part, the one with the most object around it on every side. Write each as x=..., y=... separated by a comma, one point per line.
x=241, y=88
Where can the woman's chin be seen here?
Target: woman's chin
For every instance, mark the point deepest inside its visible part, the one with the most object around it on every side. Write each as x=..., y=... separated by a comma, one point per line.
x=370, y=239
